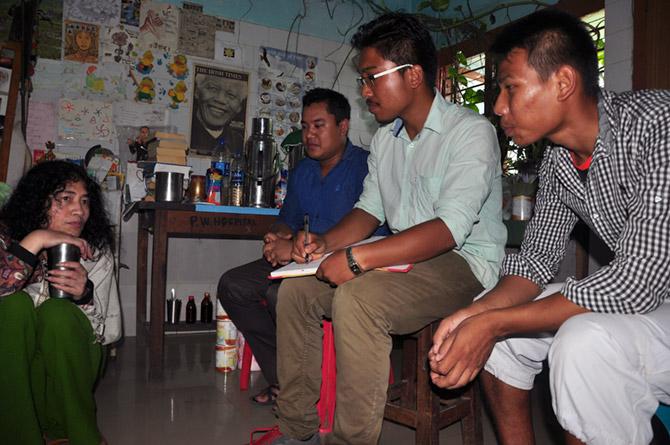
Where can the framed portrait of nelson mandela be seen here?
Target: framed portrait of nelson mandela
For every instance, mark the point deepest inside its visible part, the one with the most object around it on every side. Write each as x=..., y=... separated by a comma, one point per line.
x=219, y=108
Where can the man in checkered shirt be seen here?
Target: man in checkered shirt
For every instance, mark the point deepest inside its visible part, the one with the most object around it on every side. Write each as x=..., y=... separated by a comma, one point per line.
x=607, y=336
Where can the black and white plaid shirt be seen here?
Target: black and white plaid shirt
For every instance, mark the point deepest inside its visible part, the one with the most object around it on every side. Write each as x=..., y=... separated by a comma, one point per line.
x=625, y=201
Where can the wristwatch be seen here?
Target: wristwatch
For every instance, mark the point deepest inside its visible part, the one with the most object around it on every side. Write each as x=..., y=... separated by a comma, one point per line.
x=351, y=262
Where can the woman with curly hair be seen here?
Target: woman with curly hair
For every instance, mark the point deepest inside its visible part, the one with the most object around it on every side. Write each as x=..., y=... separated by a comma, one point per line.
x=51, y=349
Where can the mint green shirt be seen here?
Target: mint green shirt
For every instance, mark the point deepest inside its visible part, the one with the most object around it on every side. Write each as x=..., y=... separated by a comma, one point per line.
x=451, y=171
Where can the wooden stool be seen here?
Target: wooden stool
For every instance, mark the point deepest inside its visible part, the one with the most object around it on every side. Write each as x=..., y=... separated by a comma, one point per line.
x=416, y=403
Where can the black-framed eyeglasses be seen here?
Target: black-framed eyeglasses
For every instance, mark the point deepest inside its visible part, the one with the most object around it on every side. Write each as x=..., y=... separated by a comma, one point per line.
x=368, y=80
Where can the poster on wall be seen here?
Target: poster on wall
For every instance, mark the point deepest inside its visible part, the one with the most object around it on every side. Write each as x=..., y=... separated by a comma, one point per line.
x=119, y=44
x=284, y=77
x=85, y=120
x=197, y=32
x=81, y=42
x=219, y=108
x=159, y=26
x=103, y=12
x=130, y=12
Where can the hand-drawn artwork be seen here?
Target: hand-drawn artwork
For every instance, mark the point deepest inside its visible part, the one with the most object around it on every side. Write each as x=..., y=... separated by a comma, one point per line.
x=159, y=26
x=81, y=42
x=130, y=12
x=50, y=26
x=119, y=45
x=219, y=108
x=48, y=75
x=197, y=33
x=131, y=113
x=284, y=77
x=179, y=67
x=146, y=63
x=93, y=82
x=177, y=94
x=145, y=90
x=103, y=12
x=85, y=120
x=41, y=126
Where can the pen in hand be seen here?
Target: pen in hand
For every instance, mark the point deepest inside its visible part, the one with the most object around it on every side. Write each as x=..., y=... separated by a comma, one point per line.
x=306, y=231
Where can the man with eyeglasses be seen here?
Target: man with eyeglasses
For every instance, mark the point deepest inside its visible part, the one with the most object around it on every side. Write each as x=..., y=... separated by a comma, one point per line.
x=434, y=177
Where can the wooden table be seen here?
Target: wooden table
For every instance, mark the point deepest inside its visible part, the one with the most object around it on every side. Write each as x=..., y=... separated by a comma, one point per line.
x=167, y=220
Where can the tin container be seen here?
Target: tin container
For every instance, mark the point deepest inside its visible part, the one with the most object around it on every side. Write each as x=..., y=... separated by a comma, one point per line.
x=226, y=358
x=58, y=254
x=226, y=332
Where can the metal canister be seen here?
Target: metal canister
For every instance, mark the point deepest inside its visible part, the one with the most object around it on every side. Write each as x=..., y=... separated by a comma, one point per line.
x=226, y=358
x=226, y=332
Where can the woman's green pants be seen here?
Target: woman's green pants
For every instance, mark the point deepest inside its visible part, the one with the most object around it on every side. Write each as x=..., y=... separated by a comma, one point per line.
x=49, y=364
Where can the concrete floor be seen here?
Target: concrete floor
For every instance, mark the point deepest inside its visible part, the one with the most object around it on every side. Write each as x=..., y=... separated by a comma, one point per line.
x=194, y=404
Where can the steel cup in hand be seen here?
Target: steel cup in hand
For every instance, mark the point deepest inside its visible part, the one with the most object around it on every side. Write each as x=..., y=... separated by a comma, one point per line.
x=59, y=254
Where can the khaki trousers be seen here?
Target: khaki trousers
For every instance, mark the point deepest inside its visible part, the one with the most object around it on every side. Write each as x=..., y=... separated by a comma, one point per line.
x=365, y=312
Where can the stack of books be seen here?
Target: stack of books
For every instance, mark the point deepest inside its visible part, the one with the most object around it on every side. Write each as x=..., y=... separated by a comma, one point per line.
x=171, y=148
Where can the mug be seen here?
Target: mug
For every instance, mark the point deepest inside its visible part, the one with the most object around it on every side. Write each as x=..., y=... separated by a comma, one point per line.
x=196, y=190
x=58, y=254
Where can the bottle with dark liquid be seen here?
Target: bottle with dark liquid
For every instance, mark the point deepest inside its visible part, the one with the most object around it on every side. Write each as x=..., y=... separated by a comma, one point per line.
x=206, y=309
x=190, y=310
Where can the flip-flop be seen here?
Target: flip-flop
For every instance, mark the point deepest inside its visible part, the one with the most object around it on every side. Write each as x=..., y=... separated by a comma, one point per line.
x=269, y=394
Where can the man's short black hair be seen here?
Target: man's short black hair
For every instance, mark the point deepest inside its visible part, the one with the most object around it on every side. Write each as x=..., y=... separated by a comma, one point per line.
x=400, y=38
x=336, y=103
x=552, y=39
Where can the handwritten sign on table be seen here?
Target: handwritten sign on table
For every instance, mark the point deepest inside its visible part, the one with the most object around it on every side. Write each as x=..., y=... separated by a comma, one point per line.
x=41, y=125
x=85, y=120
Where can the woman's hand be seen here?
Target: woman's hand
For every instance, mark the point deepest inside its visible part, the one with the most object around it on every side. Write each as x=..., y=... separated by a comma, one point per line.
x=38, y=240
x=71, y=280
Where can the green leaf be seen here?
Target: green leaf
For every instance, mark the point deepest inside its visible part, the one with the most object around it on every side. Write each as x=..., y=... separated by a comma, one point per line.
x=423, y=5
x=452, y=72
x=462, y=79
x=461, y=58
x=473, y=107
x=439, y=5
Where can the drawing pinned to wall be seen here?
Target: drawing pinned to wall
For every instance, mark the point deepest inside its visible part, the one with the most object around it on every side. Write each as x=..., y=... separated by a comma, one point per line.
x=130, y=12
x=159, y=26
x=130, y=113
x=284, y=77
x=197, y=32
x=50, y=27
x=119, y=44
x=145, y=90
x=5, y=77
x=81, y=42
x=177, y=94
x=146, y=63
x=41, y=125
x=48, y=75
x=103, y=12
x=93, y=82
x=85, y=120
x=179, y=67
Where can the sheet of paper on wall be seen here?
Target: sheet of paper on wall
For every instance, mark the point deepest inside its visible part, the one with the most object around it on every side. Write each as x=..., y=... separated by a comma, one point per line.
x=5, y=78
x=50, y=26
x=48, y=75
x=226, y=51
x=135, y=114
x=103, y=12
x=41, y=126
x=102, y=82
x=119, y=44
x=130, y=12
x=159, y=26
x=196, y=33
x=86, y=120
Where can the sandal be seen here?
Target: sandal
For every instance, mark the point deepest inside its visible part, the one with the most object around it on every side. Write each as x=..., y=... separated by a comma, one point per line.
x=266, y=397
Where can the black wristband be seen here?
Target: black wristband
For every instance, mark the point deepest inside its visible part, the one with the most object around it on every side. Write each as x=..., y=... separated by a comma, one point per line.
x=351, y=262
x=88, y=294
x=23, y=254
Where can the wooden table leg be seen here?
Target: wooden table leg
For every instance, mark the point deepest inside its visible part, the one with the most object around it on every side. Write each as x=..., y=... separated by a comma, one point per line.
x=141, y=289
x=158, y=277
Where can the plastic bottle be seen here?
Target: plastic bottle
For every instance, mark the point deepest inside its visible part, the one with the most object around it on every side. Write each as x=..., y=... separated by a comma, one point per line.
x=206, y=309
x=237, y=182
x=221, y=160
x=190, y=310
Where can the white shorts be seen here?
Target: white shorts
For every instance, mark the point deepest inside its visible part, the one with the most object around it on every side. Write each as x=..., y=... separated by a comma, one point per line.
x=608, y=372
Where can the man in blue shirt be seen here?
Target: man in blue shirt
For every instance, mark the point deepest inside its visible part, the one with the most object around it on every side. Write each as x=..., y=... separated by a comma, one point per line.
x=325, y=185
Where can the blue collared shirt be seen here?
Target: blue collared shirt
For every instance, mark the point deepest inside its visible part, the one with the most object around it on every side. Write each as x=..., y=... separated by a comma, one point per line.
x=326, y=200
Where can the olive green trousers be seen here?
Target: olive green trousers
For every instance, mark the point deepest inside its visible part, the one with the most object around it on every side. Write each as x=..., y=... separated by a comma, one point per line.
x=49, y=364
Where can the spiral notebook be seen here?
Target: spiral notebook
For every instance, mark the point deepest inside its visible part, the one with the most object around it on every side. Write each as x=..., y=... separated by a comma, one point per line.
x=294, y=269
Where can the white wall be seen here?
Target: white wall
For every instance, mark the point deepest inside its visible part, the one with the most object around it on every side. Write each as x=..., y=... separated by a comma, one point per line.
x=618, y=45
x=194, y=265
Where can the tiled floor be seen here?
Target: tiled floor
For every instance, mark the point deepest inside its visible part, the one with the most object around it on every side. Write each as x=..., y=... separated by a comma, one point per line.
x=193, y=404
